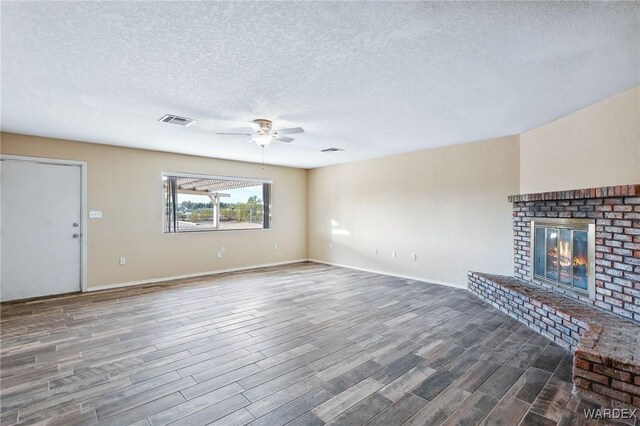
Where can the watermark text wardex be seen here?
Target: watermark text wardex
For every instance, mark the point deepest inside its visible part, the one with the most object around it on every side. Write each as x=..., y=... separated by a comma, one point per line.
x=610, y=413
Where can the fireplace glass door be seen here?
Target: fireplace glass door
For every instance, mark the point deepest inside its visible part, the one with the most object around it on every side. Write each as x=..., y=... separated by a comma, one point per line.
x=580, y=262
x=561, y=256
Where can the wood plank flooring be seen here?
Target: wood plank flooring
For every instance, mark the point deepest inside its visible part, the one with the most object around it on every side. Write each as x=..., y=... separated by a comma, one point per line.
x=303, y=344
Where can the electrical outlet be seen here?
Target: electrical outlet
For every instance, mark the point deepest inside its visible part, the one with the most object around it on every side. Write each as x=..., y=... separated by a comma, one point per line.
x=275, y=247
x=123, y=261
x=375, y=251
x=414, y=256
x=95, y=214
x=393, y=253
x=223, y=250
x=219, y=255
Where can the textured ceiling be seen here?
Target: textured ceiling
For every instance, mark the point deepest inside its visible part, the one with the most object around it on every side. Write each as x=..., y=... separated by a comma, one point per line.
x=373, y=78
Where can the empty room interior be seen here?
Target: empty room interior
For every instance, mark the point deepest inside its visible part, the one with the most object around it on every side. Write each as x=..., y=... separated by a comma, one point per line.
x=308, y=213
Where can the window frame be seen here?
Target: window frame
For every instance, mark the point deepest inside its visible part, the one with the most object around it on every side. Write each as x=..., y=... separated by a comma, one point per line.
x=268, y=219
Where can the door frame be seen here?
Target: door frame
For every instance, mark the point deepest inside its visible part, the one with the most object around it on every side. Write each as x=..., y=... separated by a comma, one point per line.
x=83, y=203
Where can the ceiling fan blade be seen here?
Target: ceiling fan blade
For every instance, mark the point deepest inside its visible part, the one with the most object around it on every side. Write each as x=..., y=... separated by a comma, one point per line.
x=249, y=141
x=284, y=139
x=290, y=131
x=235, y=134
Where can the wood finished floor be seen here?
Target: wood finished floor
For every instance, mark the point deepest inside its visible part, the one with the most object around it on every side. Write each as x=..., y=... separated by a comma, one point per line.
x=304, y=344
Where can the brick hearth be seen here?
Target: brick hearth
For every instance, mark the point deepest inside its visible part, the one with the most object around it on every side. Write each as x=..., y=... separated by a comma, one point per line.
x=606, y=362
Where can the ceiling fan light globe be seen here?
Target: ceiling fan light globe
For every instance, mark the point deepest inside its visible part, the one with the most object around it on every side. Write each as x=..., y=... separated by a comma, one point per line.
x=263, y=139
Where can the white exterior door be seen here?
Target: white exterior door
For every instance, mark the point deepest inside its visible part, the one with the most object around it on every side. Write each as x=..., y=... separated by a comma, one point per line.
x=40, y=219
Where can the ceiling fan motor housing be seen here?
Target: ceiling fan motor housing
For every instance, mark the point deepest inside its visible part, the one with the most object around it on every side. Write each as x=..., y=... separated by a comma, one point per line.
x=265, y=125
x=265, y=134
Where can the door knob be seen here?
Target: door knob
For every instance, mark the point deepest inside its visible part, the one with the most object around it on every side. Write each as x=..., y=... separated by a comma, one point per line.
x=76, y=235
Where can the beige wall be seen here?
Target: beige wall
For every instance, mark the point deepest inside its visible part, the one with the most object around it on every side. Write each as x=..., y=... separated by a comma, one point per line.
x=447, y=205
x=596, y=146
x=126, y=185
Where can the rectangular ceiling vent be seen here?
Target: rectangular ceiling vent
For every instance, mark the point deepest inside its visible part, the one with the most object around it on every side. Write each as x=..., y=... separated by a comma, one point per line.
x=332, y=150
x=174, y=119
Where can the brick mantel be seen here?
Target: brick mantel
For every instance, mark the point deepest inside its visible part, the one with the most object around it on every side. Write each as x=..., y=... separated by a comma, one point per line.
x=574, y=194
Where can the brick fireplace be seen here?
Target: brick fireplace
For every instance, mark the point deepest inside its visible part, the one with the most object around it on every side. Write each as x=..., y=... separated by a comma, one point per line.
x=616, y=213
x=580, y=286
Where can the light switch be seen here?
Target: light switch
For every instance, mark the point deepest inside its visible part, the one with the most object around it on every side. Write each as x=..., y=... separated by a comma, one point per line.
x=95, y=214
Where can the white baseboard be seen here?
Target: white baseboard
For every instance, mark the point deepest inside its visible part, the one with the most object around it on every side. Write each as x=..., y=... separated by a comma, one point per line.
x=266, y=265
x=194, y=275
x=391, y=274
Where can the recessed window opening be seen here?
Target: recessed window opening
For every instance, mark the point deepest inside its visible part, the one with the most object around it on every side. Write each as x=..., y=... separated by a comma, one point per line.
x=195, y=203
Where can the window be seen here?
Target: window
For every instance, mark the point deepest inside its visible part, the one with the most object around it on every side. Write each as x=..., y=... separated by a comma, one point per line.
x=214, y=203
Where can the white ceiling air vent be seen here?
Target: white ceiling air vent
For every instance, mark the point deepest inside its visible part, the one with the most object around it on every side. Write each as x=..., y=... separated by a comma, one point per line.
x=174, y=119
x=332, y=150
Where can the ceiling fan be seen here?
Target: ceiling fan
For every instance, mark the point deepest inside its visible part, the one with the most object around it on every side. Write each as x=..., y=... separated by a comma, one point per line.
x=263, y=133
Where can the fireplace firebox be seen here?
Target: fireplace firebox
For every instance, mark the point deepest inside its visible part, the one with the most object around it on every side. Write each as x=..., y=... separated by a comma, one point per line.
x=564, y=254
